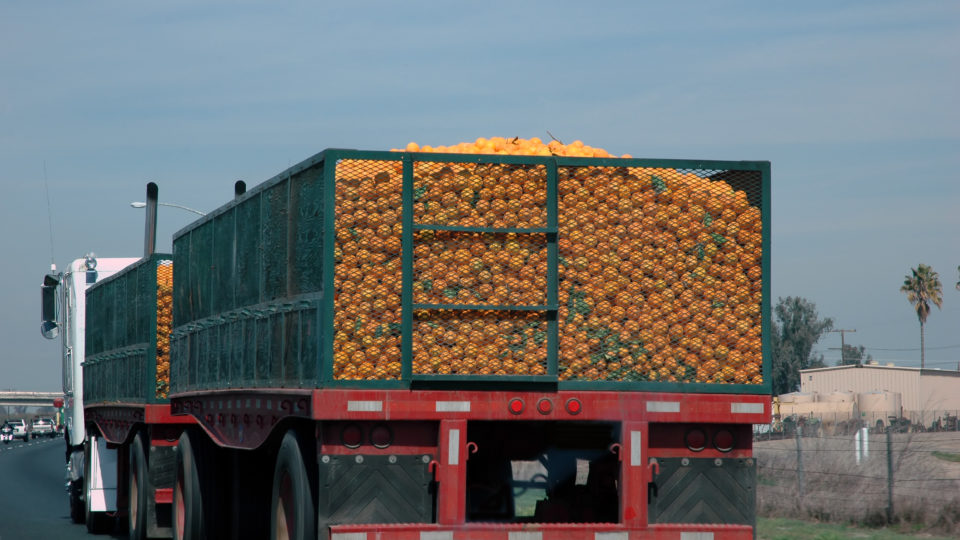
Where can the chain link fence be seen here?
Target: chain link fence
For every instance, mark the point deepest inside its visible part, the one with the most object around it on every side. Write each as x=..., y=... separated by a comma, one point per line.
x=834, y=424
x=872, y=478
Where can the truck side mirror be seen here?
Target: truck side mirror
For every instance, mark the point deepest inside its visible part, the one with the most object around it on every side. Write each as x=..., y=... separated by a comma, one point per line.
x=48, y=307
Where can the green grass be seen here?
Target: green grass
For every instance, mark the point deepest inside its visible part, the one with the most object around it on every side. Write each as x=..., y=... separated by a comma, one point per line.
x=793, y=529
x=526, y=501
x=947, y=456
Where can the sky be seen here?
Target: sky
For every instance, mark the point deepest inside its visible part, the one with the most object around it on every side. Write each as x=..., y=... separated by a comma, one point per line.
x=855, y=104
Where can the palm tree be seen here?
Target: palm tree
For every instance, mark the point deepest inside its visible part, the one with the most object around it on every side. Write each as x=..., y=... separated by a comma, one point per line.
x=923, y=287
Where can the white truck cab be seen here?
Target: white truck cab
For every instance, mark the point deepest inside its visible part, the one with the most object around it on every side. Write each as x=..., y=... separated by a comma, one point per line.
x=63, y=301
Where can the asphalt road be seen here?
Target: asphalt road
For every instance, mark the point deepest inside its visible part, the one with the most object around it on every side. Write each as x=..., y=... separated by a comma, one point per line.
x=33, y=501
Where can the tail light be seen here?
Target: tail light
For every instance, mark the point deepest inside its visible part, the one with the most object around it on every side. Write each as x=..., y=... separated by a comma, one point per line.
x=381, y=436
x=723, y=440
x=351, y=436
x=695, y=439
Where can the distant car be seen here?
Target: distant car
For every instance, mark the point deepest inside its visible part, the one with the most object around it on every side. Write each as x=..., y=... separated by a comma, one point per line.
x=42, y=427
x=19, y=429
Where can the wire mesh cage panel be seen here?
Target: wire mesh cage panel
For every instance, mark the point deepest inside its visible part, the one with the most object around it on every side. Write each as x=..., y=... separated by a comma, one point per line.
x=128, y=325
x=367, y=270
x=247, y=307
x=472, y=268
x=384, y=268
x=483, y=195
x=479, y=342
x=661, y=276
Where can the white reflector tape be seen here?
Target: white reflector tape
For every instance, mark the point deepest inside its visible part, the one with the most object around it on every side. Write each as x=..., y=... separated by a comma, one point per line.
x=453, y=406
x=436, y=535
x=522, y=535
x=746, y=408
x=453, y=453
x=696, y=536
x=636, y=438
x=348, y=536
x=663, y=406
x=364, y=406
x=610, y=536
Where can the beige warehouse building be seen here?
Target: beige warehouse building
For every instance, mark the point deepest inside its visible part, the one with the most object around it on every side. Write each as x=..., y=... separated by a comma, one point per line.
x=924, y=395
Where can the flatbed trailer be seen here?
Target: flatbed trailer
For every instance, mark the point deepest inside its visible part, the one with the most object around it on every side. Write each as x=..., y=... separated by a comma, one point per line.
x=397, y=345
x=131, y=433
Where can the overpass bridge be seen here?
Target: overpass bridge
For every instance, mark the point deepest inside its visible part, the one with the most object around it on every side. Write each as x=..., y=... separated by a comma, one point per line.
x=16, y=398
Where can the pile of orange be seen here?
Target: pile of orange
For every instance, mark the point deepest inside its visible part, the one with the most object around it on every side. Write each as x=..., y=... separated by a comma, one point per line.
x=164, y=326
x=367, y=271
x=480, y=195
x=517, y=147
x=492, y=269
x=479, y=342
x=659, y=275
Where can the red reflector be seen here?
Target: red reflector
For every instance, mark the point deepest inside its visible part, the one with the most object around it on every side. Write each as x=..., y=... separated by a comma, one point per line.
x=544, y=406
x=163, y=495
x=696, y=440
x=723, y=440
x=516, y=405
x=574, y=406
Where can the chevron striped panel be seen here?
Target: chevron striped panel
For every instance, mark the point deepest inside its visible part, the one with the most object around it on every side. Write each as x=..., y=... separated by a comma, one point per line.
x=704, y=491
x=375, y=489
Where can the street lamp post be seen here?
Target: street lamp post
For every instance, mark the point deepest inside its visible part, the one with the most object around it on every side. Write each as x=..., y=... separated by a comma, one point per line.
x=139, y=204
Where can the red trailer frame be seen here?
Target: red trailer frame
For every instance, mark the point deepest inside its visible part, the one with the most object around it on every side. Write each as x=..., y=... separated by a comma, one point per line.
x=652, y=428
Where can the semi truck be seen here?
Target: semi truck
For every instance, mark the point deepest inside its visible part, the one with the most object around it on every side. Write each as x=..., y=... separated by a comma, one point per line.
x=438, y=346
x=63, y=316
x=113, y=318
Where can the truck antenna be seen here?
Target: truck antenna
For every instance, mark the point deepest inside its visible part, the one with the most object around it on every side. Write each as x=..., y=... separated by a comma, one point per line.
x=46, y=188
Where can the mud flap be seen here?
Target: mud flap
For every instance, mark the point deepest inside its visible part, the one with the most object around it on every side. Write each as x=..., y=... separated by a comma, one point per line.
x=374, y=489
x=698, y=490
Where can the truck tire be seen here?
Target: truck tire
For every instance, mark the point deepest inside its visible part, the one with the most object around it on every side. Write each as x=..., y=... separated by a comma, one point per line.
x=97, y=522
x=188, y=519
x=77, y=514
x=138, y=491
x=292, y=508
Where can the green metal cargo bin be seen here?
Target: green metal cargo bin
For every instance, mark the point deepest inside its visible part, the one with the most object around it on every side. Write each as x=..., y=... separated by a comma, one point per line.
x=392, y=269
x=129, y=318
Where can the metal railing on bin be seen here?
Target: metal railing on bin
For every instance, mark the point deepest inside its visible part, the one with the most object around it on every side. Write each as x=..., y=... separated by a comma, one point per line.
x=128, y=324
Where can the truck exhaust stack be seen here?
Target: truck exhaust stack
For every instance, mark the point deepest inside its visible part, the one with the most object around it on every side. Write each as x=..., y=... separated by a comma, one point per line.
x=150, y=232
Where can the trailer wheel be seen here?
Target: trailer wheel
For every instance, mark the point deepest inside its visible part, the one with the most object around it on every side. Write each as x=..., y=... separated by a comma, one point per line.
x=187, y=502
x=138, y=491
x=292, y=508
x=97, y=522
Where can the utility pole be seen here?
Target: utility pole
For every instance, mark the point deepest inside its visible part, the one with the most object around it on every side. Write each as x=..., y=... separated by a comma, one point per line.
x=843, y=344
